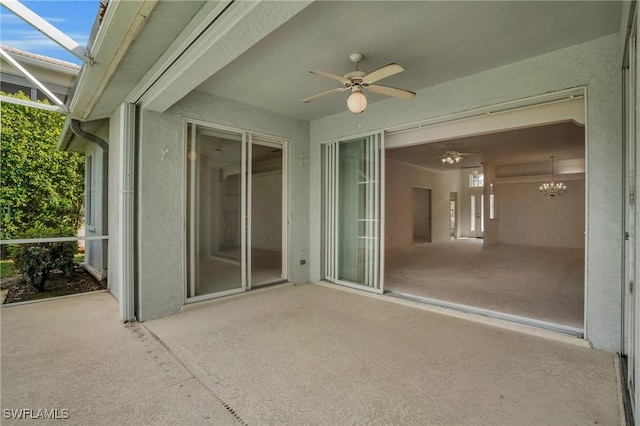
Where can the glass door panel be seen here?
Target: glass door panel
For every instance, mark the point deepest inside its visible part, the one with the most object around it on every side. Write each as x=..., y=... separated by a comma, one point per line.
x=352, y=212
x=267, y=212
x=215, y=208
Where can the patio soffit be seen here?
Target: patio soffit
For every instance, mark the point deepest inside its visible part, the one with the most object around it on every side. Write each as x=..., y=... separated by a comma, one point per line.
x=434, y=41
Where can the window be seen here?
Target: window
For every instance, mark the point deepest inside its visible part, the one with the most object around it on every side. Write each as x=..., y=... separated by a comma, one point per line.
x=89, y=193
x=492, y=203
x=476, y=180
x=482, y=213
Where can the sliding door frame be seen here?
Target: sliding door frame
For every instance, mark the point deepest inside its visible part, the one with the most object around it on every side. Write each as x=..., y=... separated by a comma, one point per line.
x=331, y=207
x=245, y=225
x=282, y=144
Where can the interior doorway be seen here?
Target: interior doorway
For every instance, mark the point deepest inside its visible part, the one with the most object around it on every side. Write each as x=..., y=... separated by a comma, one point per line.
x=236, y=211
x=499, y=246
x=421, y=205
x=476, y=210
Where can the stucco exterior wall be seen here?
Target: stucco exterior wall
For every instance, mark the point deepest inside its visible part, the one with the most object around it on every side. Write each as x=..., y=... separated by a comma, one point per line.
x=594, y=64
x=162, y=192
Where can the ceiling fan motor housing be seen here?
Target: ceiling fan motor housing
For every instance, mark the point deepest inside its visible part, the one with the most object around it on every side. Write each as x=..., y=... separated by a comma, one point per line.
x=355, y=75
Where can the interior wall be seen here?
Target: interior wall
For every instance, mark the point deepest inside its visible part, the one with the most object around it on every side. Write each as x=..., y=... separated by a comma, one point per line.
x=162, y=194
x=400, y=178
x=529, y=218
x=594, y=64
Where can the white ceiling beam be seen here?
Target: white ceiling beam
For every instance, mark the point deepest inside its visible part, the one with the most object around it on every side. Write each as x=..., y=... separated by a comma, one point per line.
x=33, y=80
x=30, y=103
x=210, y=11
x=241, y=26
x=40, y=24
x=570, y=109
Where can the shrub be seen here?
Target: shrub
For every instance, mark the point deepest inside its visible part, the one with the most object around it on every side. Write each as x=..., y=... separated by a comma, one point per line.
x=41, y=185
x=35, y=261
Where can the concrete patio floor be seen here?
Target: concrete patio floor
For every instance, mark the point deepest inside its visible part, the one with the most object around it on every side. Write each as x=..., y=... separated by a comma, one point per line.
x=295, y=355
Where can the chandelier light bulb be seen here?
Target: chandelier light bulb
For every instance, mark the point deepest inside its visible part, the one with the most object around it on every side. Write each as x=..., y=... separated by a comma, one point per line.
x=356, y=102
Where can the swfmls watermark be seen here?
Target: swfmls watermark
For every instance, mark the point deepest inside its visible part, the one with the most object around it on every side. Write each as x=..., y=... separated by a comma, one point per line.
x=35, y=413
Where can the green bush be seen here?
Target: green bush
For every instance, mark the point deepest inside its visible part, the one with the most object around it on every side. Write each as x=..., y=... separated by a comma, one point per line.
x=35, y=261
x=41, y=185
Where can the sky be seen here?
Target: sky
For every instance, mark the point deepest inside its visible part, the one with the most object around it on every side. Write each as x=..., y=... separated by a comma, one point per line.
x=72, y=17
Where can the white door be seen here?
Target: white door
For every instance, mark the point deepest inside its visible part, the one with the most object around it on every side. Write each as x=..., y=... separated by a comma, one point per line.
x=477, y=215
x=453, y=214
x=353, y=198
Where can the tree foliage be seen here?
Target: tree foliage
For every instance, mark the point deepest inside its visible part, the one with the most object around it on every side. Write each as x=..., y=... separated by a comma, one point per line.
x=41, y=187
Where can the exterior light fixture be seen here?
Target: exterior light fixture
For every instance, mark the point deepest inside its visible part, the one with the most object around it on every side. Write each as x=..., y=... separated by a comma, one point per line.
x=552, y=188
x=356, y=102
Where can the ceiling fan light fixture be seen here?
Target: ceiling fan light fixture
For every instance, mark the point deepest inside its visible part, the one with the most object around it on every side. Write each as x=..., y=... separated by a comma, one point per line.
x=451, y=157
x=356, y=102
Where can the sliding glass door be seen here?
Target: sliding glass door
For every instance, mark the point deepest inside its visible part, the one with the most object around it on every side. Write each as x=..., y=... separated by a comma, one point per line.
x=267, y=206
x=216, y=242
x=353, y=172
x=236, y=211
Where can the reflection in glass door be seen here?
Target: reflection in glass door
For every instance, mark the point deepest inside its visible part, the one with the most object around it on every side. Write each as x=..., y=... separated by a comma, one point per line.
x=216, y=205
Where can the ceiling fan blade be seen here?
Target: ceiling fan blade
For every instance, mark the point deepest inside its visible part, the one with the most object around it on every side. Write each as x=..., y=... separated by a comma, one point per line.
x=380, y=73
x=392, y=91
x=322, y=95
x=333, y=76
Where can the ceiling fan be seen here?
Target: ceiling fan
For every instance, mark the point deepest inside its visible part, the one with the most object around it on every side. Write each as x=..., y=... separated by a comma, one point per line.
x=452, y=156
x=357, y=80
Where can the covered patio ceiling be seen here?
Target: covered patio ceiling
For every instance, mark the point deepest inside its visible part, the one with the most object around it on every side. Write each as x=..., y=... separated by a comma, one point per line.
x=434, y=41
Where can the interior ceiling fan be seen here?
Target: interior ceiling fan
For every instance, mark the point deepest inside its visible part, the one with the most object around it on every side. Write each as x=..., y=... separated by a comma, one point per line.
x=452, y=156
x=357, y=80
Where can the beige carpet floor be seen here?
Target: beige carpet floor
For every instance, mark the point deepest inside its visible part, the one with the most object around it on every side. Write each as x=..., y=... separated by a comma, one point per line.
x=540, y=283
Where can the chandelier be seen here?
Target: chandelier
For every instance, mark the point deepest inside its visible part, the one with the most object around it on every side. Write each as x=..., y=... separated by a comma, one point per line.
x=451, y=157
x=552, y=188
